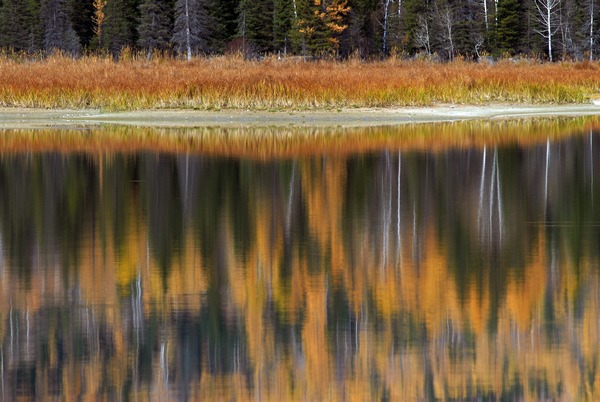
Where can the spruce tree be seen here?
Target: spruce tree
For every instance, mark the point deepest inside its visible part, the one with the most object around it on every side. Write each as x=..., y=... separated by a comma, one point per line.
x=255, y=25
x=510, y=28
x=59, y=34
x=189, y=32
x=120, y=25
x=154, y=27
x=467, y=31
x=224, y=23
x=80, y=14
x=364, y=30
x=283, y=17
x=18, y=25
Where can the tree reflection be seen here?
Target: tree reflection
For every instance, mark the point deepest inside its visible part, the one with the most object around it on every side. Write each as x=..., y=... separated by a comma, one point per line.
x=457, y=274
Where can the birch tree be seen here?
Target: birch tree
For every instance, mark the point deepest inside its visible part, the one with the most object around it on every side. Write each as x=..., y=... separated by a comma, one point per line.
x=189, y=28
x=389, y=15
x=591, y=20
x=422, y=36
x=386, y=14
x=485, y=15
x=399, y=17
x=548, y=19
x=445, y=20
x=566, y=36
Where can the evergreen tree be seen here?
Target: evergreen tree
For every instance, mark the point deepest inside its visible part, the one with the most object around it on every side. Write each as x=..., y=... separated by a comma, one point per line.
x=363, y=33
x=80, y=14
x=255, y=25
x=18, y=25
x=283, y=21
x=510, y=29
x=469, y=30
x=58, y=29
x=154, y=27
x=224, y=23
x=189, y=33
x=120, y=25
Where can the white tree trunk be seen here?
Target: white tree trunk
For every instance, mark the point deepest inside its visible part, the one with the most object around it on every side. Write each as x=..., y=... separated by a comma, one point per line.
x=592, y=30
x=386, y=13
x=496, y=12
x=422, y=34
x=295, y=11
x=485, y=15
x=187, y=30
x=448, y=22
x=549, y=29
x=547, y=17
x=296, y=23
x=451, y=41
x=399, y=13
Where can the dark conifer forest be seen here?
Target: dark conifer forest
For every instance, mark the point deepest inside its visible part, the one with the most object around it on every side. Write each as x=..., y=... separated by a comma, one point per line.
x=370, y=29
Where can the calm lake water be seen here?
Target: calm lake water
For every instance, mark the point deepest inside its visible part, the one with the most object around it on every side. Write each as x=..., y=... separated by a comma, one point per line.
x=394, y=272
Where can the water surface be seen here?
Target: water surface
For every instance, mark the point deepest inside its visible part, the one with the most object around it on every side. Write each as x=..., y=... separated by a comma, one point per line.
x=407, y=269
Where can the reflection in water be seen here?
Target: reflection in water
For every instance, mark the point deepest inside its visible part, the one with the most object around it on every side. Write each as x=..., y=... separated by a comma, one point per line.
x=465, y=273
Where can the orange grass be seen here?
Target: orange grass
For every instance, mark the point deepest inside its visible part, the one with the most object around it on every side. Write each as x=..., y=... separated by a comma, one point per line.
x=230, y=82
x=270, y=143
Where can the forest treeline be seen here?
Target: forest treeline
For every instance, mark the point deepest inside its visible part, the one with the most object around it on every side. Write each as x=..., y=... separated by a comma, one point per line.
x=439, y=29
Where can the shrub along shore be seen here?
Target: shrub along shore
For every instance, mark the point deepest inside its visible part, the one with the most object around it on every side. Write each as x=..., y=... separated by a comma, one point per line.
x=288, y=84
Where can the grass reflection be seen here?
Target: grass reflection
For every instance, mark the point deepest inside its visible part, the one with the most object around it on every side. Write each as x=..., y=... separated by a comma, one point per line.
x=264, y=143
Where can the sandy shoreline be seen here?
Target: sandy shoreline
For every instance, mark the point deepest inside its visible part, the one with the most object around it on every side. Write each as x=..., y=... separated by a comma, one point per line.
x=40, y=118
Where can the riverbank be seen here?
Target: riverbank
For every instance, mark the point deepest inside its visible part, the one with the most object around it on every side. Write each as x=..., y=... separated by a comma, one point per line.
x=23, y=118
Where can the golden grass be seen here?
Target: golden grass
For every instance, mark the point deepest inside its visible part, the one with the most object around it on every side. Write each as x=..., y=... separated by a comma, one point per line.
x=272, y=143
x=230, y=82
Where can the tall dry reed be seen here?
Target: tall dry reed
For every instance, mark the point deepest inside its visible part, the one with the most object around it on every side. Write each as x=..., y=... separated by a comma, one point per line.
x=230, y=82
